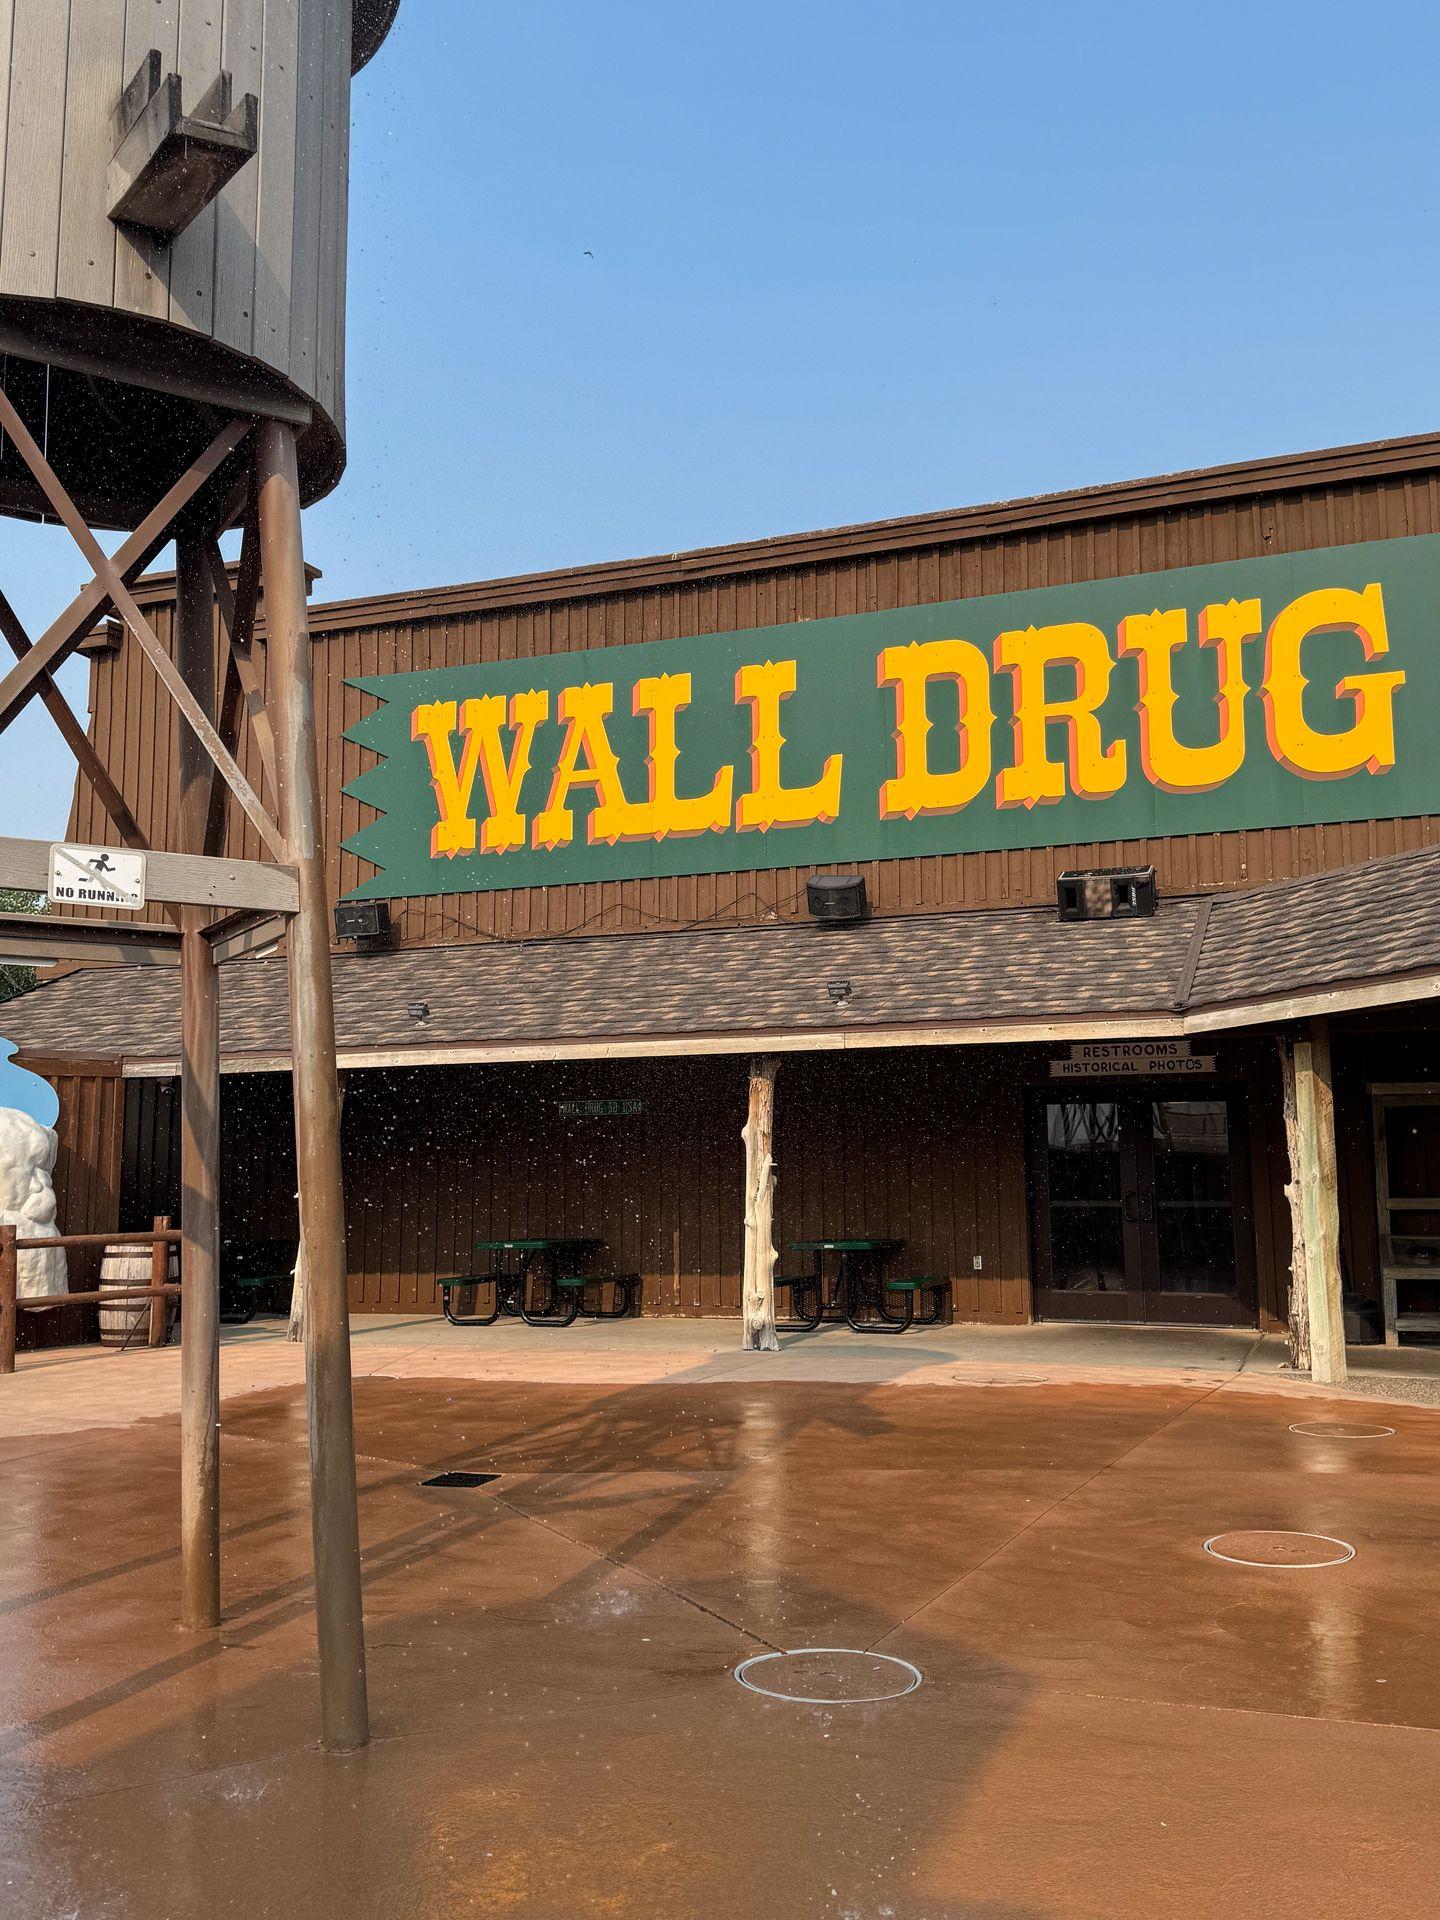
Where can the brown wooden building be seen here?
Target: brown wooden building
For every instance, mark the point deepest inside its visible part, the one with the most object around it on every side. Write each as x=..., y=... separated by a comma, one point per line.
x=567, y=1051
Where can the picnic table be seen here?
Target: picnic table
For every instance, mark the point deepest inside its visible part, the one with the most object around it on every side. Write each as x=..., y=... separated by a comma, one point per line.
x=858, y=1287
x=544, y=1283
x=250, y=1269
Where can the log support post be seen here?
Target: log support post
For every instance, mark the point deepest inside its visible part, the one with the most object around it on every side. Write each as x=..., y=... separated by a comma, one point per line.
x=1299, y=1297
x=1313, y=1171
x=199, y=1130
x=9, y=1288
x=295, y=1331
x=760, y=1256
x=159, y=1274
x=335, y=1527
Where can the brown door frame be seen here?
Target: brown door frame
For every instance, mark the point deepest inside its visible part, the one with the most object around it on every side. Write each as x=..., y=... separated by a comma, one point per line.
x=1148, y=1304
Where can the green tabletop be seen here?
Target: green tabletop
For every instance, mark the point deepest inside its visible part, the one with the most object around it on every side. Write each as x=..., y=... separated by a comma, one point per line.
x=846, y=1246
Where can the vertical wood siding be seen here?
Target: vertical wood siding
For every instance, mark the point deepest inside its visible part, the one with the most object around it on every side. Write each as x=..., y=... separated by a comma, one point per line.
x=923, y=1146
x=34, y=147
x=95, y=77
x=257, y=1156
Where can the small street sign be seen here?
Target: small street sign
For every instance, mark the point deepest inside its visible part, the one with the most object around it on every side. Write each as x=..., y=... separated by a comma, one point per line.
x=1119, y=1053
x=1142, y=1061
x=96, y=877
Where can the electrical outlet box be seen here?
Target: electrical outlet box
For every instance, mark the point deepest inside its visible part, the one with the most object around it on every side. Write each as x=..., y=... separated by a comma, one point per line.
x=977, y=1262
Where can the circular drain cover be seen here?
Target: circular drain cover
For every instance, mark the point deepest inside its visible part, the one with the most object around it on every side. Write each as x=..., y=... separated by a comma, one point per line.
x=828, y=1676
x=1272, y=1547
x=1340, y=1430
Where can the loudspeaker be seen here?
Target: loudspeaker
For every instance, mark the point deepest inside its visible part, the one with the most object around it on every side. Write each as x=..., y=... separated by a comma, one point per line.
x=362, y=919
x=837, y=898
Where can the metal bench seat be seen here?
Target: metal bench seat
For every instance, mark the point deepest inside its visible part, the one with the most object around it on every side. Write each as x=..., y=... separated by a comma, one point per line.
x=507, y=1286
x=559, y=1299
x=626, y=1291
x=910, y=1286
x=800, y=1321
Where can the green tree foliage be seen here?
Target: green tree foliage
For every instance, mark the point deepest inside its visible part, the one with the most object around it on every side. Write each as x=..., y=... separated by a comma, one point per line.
x=15, y=980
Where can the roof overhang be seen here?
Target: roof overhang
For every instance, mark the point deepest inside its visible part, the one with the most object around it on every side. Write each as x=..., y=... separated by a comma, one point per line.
x=1160, y=1024
x=1348, y=941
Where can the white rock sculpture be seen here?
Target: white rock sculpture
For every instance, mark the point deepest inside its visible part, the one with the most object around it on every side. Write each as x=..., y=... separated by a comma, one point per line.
x=27, y=1198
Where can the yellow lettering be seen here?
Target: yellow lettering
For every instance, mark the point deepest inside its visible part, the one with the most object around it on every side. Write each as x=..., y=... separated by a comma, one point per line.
x=664, y=812
x=454, y=832
x=770, y=803
x=504, y=824
x=583, y=712
x=1153, y=639
x=1096, y=771
x=1369, y=742
x=916, y=789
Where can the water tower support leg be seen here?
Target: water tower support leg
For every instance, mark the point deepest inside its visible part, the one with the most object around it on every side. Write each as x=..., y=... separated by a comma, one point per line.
x=199, y=1130
x=334, y=1519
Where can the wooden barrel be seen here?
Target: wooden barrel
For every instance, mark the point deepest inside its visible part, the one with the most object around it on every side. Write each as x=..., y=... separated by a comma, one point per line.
x=127, y=1323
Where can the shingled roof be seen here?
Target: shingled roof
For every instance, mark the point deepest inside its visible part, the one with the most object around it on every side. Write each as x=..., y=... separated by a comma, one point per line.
x=1203, y=962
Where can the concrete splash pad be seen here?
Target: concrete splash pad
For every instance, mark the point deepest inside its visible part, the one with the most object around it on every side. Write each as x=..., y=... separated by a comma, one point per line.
x=558, y=1730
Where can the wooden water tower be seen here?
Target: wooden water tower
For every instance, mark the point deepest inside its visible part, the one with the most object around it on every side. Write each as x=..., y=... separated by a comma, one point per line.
x=173, y=214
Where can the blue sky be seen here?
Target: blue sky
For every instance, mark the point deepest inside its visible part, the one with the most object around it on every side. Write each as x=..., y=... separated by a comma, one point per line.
x=635, y=278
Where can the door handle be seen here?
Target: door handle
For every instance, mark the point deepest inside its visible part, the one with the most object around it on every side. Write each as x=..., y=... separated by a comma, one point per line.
x=1130, y=1208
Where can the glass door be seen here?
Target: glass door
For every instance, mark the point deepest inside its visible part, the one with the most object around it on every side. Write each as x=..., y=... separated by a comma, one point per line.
x=1187, y=1198
x=1141, y=1208
x=1088, y=1223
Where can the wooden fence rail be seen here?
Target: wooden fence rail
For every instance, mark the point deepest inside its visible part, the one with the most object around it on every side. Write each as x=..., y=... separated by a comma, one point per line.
x=161, y=1237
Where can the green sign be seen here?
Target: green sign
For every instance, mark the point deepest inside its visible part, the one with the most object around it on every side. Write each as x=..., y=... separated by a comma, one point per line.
x=1254, y=693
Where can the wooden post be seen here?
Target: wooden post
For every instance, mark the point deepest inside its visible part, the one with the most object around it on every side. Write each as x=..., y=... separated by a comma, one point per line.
x=9, y=1287
x=1319, y=1204
x=1299, y=1303
x=159, y=1274
x=296, y=1329
x=760, y=1256
x=199, y=1128
x=335, y=1528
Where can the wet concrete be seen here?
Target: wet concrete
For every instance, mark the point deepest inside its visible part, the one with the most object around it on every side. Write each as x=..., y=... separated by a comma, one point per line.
x=1112, y=1722
x=56, y=1392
